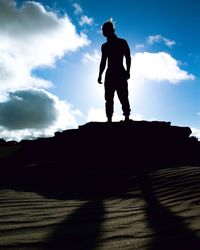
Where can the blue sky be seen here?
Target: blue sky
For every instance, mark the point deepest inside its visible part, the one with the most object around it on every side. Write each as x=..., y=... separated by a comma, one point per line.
x=56, y=45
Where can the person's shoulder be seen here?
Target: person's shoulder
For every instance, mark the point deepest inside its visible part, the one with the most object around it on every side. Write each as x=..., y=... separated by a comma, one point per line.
x=121, y=40
x=104, y=46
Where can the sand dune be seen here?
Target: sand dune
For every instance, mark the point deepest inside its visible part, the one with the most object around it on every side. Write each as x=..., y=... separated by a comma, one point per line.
x=159, y=210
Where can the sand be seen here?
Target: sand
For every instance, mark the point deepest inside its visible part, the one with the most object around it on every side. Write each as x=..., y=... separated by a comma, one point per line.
x=160, y=210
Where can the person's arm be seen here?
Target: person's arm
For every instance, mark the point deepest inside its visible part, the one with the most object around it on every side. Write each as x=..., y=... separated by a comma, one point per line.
x=128, y=60
x=102, y=65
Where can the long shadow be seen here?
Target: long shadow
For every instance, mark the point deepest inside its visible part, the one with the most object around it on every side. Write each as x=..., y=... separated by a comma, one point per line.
x=171, y=231
x=81, y=230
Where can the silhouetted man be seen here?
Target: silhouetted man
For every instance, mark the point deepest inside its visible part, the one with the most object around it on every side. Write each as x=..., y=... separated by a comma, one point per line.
x=113, y=52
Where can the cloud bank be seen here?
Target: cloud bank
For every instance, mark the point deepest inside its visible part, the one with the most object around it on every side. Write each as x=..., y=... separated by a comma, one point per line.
x=31, y=38
x=32, y=113
x=158, y=67
x=28, y=109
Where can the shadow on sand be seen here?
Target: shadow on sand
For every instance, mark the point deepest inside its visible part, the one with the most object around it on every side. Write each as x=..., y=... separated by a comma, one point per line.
x=170, y=230
x=83, y=228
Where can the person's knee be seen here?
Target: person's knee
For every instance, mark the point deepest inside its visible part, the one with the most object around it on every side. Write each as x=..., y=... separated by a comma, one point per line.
x=109, y=101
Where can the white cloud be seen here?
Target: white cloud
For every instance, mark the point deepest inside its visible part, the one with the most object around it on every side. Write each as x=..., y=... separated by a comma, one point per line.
x=32, y=113
x=159, y=38
x=85, y=20
x=196, y=133
x=91, y=57
x=32, y=37
x=95, y=114
x=139, y=46
x=78, y=9
x=159, y=66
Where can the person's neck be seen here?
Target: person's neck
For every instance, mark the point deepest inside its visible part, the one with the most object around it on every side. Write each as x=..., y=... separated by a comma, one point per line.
x=111, y=37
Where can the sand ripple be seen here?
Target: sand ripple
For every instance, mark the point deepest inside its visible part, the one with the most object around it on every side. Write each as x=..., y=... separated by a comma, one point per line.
x=161, y=210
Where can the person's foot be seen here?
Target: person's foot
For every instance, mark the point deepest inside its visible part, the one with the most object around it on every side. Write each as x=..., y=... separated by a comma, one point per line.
x=109, y=119
x=127, y=118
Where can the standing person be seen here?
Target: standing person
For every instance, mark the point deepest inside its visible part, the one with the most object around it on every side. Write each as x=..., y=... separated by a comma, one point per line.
x=113, y=53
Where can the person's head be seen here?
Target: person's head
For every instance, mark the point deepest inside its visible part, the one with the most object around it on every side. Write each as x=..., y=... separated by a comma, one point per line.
x=108, y=28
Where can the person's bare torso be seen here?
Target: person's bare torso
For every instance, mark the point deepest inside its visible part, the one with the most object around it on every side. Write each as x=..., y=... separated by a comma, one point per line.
x=115, y=50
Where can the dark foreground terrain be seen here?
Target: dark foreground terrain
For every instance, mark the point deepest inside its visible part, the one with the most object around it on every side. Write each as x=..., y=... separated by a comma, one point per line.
x=123, y=185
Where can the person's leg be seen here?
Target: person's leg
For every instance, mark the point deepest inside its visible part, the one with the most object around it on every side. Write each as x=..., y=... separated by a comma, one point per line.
x=122, y=92
x=109, y=96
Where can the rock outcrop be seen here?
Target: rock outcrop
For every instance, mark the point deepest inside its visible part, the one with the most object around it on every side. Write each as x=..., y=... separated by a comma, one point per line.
x=105, y=147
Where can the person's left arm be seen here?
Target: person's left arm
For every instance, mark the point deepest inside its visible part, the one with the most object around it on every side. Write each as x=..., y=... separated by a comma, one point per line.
x=128, y=59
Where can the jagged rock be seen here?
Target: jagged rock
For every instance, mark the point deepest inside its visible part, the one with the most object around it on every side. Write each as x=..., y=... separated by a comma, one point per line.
x=11, y=143
x=121, y=144
x=2, y=142
x=105, y=147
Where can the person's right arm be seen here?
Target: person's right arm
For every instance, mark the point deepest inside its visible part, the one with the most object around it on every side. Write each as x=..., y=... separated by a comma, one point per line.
x=102, y=64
